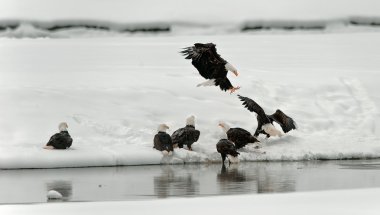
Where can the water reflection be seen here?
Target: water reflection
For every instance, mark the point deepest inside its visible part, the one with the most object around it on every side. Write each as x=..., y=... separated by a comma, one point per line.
x=178, y=182
x=65, y=188
x=231, y=180
x=256, y=178
x=150, y=182
x=282, y=177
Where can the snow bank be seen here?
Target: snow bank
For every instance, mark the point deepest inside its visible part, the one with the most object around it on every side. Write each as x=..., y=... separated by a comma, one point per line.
x=350, y=202
x=96, y=28
x=114, y=93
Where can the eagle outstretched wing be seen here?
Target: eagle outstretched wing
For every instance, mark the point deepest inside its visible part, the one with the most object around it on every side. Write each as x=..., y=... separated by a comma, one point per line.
x=206, y=60
x=287, y=123
x=254, y=107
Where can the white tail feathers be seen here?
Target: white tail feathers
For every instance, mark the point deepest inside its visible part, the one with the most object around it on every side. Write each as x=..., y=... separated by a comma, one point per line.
x=271, y=130
x=166, y=153
x=210, y=82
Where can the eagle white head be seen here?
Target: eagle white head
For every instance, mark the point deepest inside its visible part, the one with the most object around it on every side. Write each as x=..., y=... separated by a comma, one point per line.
x=224, y=126
x=162, y=127
x=63, y=126
x=190, y=120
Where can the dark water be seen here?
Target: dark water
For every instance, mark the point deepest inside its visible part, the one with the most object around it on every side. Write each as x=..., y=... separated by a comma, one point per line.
x=152, y=182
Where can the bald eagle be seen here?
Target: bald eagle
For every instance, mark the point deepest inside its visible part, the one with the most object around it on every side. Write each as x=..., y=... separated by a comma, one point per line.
x=186, y=135
x=238, y=136
x=225, y=148
x=211, y=66
x=61, y=140
x=162, y=141
x=265, y=122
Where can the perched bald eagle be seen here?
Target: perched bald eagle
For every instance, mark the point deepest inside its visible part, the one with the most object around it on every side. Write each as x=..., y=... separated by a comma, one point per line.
x=162, y=141
x=225, y=148
x=61, y=140
x=210, y=65
x=238, y=136
x=265, y=122
x=186, y=135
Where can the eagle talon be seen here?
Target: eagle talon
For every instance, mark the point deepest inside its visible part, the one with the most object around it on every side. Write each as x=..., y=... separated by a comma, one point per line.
x=233, y=89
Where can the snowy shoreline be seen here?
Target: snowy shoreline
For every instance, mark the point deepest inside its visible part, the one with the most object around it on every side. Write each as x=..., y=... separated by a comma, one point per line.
x=111, y=93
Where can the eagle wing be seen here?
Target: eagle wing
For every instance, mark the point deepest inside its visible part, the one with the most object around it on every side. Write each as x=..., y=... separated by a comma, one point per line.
x=287, y=123
x=157, y=143
x=237, y=134
x=206, y=60
x=197, y=133
x=179, y=136
x=55, y=138
x=60, y=141
x=183, y=134
x=242, y=132
x=226, y=147
x=254, y=107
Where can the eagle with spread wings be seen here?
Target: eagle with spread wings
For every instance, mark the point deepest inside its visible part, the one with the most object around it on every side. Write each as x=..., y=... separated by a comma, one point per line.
x=211, y=66
x=265, y=122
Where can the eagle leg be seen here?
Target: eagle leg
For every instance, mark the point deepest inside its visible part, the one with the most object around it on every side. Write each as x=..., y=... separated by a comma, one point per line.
x=233, y=89
x=189, y=147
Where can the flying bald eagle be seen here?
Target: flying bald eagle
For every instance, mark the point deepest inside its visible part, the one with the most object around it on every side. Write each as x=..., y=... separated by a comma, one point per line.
x=265, y=122
x=225, y=148
x=211, y=66
x=238, y=136
x=162, y=141
x=186, y=135
x=61, y=140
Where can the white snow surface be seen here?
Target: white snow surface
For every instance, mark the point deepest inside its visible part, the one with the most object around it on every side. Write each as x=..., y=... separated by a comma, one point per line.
x=348, y=202
x=114, y=92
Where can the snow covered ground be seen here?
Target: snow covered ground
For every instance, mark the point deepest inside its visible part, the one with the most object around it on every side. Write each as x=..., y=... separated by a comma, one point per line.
x=348, y=202
x=113, y=92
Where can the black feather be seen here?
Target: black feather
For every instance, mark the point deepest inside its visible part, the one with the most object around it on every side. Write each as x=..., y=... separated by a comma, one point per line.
x=61, y=140
x=287, y=123
x=162, y=141
x=240, y=137
x=185, y=136
x=209, y=63
x=254, y=107
x=226, y=147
